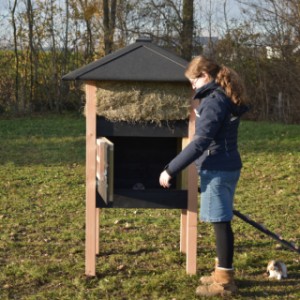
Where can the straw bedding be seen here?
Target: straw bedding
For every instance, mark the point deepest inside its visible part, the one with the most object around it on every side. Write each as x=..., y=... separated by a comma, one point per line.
x=143, y=101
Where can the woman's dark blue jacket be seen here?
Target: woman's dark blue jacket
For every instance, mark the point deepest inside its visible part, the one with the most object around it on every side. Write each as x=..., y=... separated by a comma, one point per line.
x=214, y=146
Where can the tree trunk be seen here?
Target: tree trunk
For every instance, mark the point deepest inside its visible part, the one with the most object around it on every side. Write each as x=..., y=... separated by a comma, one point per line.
x=187, y=29
x=31, y=50
x=16, y=106
x=109, y=24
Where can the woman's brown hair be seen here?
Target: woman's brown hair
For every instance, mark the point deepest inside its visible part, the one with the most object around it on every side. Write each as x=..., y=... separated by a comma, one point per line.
x=226, y=77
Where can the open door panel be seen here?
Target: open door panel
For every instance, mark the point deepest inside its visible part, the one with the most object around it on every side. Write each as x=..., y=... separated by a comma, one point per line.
x=105, y=169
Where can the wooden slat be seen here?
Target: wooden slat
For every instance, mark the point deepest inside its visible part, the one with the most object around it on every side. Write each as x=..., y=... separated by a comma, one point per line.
x=91, y=220
x=105, y=168
x=98, y=157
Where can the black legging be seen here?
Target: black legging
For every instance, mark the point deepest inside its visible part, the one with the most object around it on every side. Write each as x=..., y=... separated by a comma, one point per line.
x=224, y=244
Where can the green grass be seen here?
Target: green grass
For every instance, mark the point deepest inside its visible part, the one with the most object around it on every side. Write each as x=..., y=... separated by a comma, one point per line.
x=42, y=191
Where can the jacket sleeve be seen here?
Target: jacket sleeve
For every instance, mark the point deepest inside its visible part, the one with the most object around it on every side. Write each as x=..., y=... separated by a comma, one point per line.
x=209, y=118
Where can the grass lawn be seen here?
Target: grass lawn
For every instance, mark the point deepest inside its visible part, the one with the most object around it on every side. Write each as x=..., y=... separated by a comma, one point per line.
x=42, y=212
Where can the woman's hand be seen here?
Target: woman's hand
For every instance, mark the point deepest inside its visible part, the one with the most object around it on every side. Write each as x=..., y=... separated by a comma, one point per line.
x=164, y=179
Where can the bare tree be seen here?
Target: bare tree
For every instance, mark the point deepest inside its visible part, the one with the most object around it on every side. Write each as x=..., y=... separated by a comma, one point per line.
x=109, y=23
x=30, y=19
x=187, y=29
x=277, y=23
x=88, y=9
x=16, y=89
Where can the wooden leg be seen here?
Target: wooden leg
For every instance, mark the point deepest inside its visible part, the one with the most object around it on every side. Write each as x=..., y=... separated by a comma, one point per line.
x=192, y=219
x=90, y=217
x=97, y=230
x=191, y=257
x=183, y=231
x=183, y=219
x=90, y=241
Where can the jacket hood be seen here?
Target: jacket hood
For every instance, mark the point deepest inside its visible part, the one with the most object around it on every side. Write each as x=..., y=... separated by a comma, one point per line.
x=205, y=90
x=209, y=88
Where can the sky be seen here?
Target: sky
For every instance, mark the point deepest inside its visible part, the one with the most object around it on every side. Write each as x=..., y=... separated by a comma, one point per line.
x=232, y=9
x=232, y=4
x=4, y=6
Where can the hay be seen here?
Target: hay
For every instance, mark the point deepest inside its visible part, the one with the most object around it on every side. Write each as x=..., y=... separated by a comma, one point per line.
x=143, y=101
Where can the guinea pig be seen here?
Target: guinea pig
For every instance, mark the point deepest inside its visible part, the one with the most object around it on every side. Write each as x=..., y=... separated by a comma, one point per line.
x=276, y=269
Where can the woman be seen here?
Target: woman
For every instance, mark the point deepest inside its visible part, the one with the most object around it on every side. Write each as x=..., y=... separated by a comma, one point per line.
x=215, y=152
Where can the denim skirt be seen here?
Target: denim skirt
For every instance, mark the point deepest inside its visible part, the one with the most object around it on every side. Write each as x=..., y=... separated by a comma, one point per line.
x=217, y=193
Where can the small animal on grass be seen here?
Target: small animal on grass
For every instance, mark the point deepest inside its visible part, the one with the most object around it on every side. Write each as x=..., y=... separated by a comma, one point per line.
x=276, y=269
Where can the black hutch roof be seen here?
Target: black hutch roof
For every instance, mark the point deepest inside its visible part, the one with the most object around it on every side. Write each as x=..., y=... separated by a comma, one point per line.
x=141, y=61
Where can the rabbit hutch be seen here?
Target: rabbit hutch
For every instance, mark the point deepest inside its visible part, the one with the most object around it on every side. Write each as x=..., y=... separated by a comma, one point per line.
x=138, y=118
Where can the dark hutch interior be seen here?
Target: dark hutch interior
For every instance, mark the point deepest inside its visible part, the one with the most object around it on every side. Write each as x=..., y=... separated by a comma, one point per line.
x=140, y=155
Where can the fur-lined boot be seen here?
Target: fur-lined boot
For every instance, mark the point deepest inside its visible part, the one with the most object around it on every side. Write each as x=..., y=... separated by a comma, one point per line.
x=209, y=279
x=222, y=284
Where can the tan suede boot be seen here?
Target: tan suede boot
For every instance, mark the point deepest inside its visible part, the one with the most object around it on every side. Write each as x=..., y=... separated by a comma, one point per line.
x=209, y=279
x=223, y=284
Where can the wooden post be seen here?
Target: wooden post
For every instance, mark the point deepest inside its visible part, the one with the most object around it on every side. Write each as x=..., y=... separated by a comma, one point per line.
x=97, y=209
x=97, y=230
x=183, y=230
x=91, y=211
x=191, y=240
x=183, y=219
